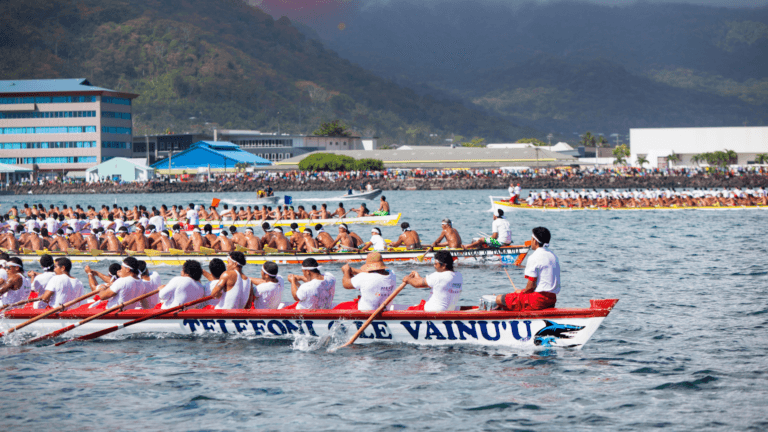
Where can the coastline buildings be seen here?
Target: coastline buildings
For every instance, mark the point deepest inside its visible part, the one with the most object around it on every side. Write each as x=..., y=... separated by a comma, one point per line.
x=657, y=144
x=218, y=156
x=60, y=125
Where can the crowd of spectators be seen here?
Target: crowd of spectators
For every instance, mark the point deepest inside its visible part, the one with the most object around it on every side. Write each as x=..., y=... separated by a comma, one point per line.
x=512, y=174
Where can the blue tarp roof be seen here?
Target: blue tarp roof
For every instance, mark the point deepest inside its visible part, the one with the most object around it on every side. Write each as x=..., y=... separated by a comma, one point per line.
x=216, y=154
x=49, y=85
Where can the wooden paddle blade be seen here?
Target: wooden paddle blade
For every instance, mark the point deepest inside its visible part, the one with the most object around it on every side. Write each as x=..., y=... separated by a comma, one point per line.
x=239, y=248
x=50, y=335
x=270, y=250
x=176, y=251
x=207, y=251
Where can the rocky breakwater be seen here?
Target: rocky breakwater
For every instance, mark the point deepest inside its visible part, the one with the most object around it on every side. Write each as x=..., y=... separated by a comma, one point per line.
x=286, y=185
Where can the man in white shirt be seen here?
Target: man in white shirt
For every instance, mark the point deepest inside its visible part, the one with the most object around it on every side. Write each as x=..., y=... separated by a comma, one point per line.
x=185, y=288
x=128, y=287
x=16, y=287
x=193, y=217
x=267, y=291
x=500, y=234
x=376, y=242
x=40, y=280
x=157, y=221
x=445, y=284
x=374, y=281
x=62, y=288
x=543, y=273
x=318, y=289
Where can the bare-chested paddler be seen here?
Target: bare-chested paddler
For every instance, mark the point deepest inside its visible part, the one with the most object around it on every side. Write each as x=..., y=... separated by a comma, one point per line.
x=59, y=242
x=296, y=238
x=267, y=234
x=309, y=244
x=345, y=241
x=409, y=238
x=279, y=241
x=92, y=242
x=164, y=243
x=238, y=238
x=223, y=243
x=251, y=241
x=451, y=236
x=208, y=234
x=137, y=241
x=340, y=212
x=323, y=238
x=180, y=237
x=110, y=243
x=383, y=207
x=196, y=241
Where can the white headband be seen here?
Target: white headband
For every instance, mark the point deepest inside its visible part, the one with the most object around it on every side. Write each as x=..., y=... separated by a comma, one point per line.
x=229, y=258
x=164, y=233
x=535, y=238
x=310, y=268
x=2, y=263
x=12, y=264
x=197, y=230
x=267, y=273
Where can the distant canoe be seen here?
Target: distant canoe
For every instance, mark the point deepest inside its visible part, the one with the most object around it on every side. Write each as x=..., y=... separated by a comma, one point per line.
x=497, y=204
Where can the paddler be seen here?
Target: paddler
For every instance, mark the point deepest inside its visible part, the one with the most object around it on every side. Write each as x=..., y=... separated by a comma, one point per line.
x=180, y=237
x=184, y=288
x=543, y=273
x=318, y=289
x=345, y=241
x=409, y=238
x=376, y=241
x=251, y=241
x=500, y=233
x=223, y=243
x=267, y=290
x=445, y=284
x=309, y=245
x=127, y=287
x=62, y=288
x=164, y=243
x=16, y=287
x=196, y=241
x=323, y=238
x=450, y=234
x=383, y=207
x=234, y=287
x=374, y=281
x=279, y=241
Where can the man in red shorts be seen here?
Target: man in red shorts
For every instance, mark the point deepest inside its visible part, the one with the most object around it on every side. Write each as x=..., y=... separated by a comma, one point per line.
x=543, y=274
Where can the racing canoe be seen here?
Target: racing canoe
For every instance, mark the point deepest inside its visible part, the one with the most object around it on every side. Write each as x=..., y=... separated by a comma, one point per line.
x=507, y=255
x=496, y=204
x=556, y=327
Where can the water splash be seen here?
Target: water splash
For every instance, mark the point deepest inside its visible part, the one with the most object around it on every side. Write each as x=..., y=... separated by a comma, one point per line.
x=330, y=342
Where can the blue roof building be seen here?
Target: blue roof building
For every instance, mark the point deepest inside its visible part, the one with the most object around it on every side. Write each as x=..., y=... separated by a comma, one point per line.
x=218, y=155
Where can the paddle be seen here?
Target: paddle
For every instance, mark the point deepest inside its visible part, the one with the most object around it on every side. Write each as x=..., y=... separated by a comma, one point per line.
x=49, y=312
x=510, y=279
x=91, y=318
x=421, y=257
x=375, y=314
x=108, y=330
x=19, y=303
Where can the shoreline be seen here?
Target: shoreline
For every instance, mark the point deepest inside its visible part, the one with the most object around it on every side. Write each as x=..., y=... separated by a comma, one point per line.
x=280, y=185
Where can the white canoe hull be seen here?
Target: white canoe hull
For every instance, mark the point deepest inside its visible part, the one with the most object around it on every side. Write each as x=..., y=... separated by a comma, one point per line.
x=390, y=220
x=546, y=328
x=497, y=204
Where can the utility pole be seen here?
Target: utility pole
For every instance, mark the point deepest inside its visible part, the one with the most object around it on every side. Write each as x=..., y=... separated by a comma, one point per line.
x=549, y=137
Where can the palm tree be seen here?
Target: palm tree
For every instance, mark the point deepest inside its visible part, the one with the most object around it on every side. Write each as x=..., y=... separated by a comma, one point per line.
x=641, y=160
x=761, y=158
x=673, y=157
x=587, y=139
x=697, y=159
x=732, y=156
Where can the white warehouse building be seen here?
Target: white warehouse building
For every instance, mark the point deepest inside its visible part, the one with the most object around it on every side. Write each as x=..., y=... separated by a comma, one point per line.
x=656, y=144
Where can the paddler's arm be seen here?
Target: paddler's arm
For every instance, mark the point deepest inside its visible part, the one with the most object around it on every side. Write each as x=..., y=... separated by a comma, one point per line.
x=442, y=236
x=11, y=284
x=208, y=275
x=415, y=280
x=349, y=273
x=221, y=287
x=530, y=287
x=294, y=280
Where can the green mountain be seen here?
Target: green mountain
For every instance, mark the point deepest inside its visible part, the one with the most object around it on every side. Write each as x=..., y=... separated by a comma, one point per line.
x=202, y=63
x=566, y=66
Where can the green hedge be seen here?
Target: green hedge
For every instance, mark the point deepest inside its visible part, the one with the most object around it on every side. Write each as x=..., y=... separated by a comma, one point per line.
x=334, y=162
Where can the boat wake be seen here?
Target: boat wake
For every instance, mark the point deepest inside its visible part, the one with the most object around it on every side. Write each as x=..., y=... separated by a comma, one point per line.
x=330, y=342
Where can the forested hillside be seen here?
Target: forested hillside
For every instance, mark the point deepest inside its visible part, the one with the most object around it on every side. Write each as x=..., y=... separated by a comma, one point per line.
x=567, y=66
x=197, y=63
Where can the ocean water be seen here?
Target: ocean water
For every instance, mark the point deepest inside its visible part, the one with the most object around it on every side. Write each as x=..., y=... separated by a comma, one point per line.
x=684, y=349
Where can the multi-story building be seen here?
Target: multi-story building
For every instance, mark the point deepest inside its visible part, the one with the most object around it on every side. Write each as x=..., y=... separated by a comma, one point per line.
x=63, y=124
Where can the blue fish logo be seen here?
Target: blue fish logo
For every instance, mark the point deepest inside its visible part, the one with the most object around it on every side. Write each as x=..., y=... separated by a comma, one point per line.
x=553, y=331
